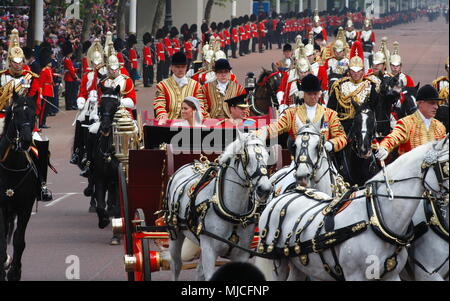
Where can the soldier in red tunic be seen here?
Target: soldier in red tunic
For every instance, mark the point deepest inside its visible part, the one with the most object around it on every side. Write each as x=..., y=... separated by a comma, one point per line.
x=147, y=61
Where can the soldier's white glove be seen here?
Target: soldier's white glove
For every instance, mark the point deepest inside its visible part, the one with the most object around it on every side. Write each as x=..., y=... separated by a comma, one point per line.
x=280, y=96
x=381, y=154
x=127, y=103
x=328, y=146
x=92, y=100
x=80, y=103
x=281, y=108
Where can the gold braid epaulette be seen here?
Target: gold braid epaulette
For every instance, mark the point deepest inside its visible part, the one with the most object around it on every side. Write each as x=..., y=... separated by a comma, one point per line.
x=32, y=73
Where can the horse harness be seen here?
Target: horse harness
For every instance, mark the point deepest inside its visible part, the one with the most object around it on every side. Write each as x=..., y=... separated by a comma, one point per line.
x=212, y=172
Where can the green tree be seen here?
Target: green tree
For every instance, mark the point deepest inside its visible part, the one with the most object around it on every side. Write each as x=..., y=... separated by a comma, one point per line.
x=209, y=6
x=159, y=12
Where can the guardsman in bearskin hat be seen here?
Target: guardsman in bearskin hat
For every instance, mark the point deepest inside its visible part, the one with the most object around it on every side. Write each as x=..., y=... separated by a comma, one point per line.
x=70, y=77
x=171, y=92
x=220, y=89
x=367, y=38
x=353, y=88
x=242, y=36
x=262, y=33
x=46, y=82
x=119, y=46
x=238, y=108
x=310, y=111
x=288, y=91
x=396, y=67
x=254, y=31
x=147, y=61
x=248, y=33
x=174, y=34
x=24, y=82
x=234, y=37
x=30, y=59
x=220, y=37
x=188, y=48
x=85, y=65
x=226, y=36
x=131, y=58
x=160, y=55
x=415, y=129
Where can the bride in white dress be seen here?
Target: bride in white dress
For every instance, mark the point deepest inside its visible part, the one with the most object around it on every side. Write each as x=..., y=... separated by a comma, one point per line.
x=191, y=113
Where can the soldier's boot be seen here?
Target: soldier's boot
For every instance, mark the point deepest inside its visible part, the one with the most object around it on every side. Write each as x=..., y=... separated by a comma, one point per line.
x=77, y=144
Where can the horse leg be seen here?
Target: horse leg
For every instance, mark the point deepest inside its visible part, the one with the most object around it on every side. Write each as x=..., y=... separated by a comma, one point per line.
x=208, y=257
x=113, y=197
x=295, y=274
x=15, y=272
x=200, y=273
x=175, y=255
x=100, y=193
x=3, y=245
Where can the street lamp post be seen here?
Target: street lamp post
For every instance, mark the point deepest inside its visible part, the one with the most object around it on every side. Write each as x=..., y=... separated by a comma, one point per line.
x=39, y=22
x=168, y=19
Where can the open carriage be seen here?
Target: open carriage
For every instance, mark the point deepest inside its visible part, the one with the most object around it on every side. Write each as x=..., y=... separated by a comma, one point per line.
x=142, y=185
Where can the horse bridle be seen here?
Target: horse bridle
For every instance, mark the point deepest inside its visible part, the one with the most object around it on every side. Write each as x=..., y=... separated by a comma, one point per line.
x=15, y=141
x=265, y=81
x=303, y=156
x=441, y=169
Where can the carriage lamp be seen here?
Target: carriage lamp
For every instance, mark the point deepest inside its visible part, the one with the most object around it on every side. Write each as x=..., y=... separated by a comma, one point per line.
x=125, y=136
x=250, y=81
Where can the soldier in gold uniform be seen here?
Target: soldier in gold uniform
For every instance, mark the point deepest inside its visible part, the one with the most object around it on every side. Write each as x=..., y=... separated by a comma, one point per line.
x=171, y=92
x=220, y=89
x=309, y=111
x=416, y=129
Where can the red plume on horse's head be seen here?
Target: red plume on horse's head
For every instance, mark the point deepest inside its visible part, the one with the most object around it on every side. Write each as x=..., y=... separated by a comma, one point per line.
x=356, y=57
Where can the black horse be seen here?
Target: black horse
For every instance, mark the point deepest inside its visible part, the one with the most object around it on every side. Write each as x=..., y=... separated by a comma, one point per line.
x=265, y=94
x=105, y=164
x=19, y=185
x=394, y=103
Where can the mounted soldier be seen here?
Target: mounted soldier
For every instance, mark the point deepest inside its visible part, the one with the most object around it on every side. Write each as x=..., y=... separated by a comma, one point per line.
x=338, y=62
x=350, y=33
x=23, y=82
x=396, y=67
x=367, y=38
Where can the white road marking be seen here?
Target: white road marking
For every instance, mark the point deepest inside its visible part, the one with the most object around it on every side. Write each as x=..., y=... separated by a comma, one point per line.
x=61, y=198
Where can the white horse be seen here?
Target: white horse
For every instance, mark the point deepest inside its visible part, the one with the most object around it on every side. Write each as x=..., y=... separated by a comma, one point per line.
x=311, y=167
x=372, y=246
x=227, y=206
x=428, y=254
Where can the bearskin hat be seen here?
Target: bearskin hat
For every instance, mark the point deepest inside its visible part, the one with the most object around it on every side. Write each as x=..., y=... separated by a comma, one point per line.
x=246, y=18
x=240, y=20
x=66, y=48
x=204, y=27
x=118, y=44
x=184, y=28
x=174, y=32
x=226, y=24
x=159, y=34
x=165, y=31
x=274, y=15
x=45, y=57
x=234, y=22
x=187, y=35
x=132, y=40
x=253, y=17
x=147, y=38
x=193, y=28
x=219, y=26
x=213, y=26
x=27, y=52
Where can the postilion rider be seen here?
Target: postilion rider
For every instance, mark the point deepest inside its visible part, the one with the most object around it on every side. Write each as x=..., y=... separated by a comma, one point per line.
x=309, y=111
x=415, y=129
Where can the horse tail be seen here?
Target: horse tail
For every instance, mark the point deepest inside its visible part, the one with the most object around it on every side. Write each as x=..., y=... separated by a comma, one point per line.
x=10, y=220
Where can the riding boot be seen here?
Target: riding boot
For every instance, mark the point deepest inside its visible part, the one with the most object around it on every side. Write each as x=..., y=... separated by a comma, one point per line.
x=42, y=162
x=76, y=144
x=86, y=171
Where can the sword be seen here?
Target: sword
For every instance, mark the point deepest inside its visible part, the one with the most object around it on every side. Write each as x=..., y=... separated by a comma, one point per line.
x=376, y=146
x=52, y=105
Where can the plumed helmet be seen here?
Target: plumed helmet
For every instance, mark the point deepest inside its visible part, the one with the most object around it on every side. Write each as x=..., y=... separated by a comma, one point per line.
x=338, y=46
x=208, y=55
x=146, y=38
x=95, y=53
x=368, y=22
x=15, y=53
x=356, y=57
x=108, y=41
x=112, y=61
x=309, y=50
x=395, y=58
x=350, y=23
x=302, y=65
x=86, y=46
x=316, y=19
x=378, y=58
x=218, y=55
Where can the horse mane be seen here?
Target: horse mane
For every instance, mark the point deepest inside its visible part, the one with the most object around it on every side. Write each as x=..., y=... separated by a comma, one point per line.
x=263, y=75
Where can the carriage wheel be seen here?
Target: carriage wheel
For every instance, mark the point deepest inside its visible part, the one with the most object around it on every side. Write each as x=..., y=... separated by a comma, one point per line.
x=146, y=260
x=123, y=197
x=143, y=248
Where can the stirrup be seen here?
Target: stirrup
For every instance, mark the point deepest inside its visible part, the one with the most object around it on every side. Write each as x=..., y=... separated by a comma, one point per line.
x=86, y=171
x=74, y=159
x=46, y=194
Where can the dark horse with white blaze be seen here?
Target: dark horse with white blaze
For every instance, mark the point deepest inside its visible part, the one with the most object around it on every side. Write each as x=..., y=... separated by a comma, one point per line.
x=105, y=164
x=18, y=176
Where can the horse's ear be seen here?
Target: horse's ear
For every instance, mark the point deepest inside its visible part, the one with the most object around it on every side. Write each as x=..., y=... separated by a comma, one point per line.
x=441, y=144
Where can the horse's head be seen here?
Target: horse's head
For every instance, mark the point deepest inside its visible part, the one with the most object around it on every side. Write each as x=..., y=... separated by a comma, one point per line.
x=251, y=157
x=266, y=87
x=435, y=168
x=20, y=122
x=308, y=149
x=391, y=88
x=363, y=130
x=109, y=104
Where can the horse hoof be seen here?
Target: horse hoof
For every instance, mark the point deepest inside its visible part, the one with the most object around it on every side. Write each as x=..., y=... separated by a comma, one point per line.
x=14, y=275
x=92, y=209
x=115, y=241
x=103, y=223
x=88, y=191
